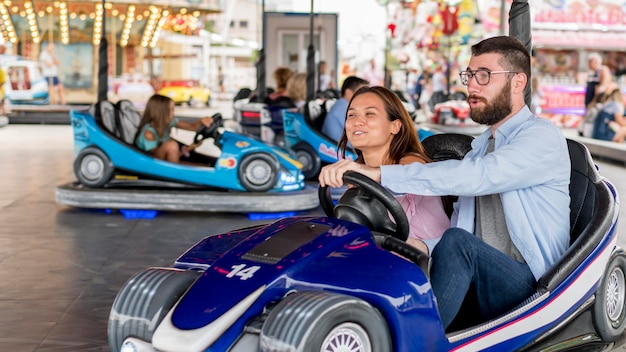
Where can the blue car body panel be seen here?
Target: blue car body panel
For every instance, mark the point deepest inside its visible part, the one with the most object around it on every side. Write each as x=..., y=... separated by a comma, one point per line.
x=341, y=257
x=296, y=130
x=246, y=273
x=339, y=260
x=223, y=175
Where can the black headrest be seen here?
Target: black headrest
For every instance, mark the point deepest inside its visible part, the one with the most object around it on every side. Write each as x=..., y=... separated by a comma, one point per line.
x=444, y=146
x=281, y=102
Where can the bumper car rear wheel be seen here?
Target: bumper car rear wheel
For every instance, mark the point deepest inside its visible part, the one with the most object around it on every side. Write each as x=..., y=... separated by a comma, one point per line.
x=311, y=163
x=93, y=168
x=609, y=309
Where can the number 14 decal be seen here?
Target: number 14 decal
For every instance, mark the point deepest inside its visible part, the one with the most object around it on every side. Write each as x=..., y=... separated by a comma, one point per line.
x=243, y=272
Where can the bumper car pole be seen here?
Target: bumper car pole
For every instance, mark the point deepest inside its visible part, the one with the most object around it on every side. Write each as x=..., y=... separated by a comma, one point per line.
x=519, y=27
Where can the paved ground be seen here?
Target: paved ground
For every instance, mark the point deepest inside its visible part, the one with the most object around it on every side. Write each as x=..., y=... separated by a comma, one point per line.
x=60, y=267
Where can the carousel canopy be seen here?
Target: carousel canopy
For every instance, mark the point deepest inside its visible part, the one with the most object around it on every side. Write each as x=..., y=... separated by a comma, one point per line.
x=127, y=23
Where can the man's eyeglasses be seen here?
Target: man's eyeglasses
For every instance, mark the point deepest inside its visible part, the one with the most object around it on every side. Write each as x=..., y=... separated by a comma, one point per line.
x=482, y=76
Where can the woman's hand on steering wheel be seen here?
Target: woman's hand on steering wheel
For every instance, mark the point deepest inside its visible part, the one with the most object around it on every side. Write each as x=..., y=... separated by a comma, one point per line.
x=398, y=228
x=370, y=204
x=332, y=175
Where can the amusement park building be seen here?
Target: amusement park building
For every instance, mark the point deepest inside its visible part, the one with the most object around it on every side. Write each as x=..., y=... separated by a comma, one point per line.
x=146, y=39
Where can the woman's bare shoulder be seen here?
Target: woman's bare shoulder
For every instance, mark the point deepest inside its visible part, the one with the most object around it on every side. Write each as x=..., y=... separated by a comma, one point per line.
x=412, y=158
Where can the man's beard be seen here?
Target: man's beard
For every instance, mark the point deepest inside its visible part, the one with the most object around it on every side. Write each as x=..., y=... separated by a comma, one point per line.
x=494, y=111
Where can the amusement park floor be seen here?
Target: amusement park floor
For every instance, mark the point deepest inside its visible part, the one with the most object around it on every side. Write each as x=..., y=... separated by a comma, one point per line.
x=61, y=267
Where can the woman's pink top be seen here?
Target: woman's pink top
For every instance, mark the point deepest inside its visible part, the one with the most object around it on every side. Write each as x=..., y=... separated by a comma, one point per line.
x=427, y=218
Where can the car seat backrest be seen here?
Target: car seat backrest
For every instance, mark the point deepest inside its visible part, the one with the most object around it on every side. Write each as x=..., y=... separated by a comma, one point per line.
x=243, y=93
x=445, y=146
x=315, y=113
x=581, y=188
x=282, y=102
x=314, y=110
x=120, y=119
x=104, y=114
x=591, y=215
x=328, y=104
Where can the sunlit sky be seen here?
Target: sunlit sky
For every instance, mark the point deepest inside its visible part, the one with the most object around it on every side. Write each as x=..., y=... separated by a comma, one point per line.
x=362, y=23
x=356, y=17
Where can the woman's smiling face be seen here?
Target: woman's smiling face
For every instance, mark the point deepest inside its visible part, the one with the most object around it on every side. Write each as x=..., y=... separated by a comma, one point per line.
x=367, y=125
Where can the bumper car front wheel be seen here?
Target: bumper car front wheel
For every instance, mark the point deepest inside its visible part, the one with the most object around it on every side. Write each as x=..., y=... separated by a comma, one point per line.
x=143, y=302
x=258, y=172
x=320, y=321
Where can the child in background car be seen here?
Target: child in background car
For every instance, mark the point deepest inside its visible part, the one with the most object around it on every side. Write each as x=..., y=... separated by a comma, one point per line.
x=153, y=132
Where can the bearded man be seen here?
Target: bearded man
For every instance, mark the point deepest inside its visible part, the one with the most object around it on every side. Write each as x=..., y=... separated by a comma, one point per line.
x=511, y=221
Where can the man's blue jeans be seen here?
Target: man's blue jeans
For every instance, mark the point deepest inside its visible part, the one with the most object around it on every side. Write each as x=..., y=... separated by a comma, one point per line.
x=465, y=271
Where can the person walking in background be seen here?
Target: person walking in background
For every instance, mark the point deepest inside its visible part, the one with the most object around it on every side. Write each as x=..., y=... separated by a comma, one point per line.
x=220, y=79
x=439, y=84
x=336, y=117
x=50, y=69
x=373, y=75
x=619, y=125
x=610, y=119
x=598, y=79
x=3, y=79
x=418, y=89
x=325, y=79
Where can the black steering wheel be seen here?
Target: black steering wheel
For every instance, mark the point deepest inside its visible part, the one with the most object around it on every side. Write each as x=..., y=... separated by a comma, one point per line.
x=204, y=132
x=367, y=203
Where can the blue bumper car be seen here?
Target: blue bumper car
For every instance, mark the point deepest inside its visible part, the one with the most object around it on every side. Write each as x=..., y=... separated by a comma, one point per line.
x=349, y=282
x=240, y=164
x=227, y=172
x=312, y=148
x=300, y=133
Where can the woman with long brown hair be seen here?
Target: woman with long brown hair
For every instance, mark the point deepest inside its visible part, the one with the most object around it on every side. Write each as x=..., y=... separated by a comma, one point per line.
x=382, y=132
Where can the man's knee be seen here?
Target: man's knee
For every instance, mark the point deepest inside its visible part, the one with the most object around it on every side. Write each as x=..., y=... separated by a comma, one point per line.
x=454, y=240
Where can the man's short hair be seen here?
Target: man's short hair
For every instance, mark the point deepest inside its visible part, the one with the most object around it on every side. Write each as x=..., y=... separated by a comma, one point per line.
x=515, y=55
x=352, y=83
